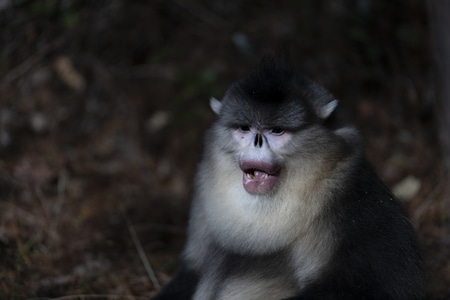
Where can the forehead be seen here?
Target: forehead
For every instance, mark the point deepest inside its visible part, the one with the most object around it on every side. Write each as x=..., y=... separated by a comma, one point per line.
x=239, y=110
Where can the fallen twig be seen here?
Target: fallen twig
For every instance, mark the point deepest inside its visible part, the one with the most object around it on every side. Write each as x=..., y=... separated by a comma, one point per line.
x=203, y=14
x=33, y=60
x=144, y=259
x=92, y=296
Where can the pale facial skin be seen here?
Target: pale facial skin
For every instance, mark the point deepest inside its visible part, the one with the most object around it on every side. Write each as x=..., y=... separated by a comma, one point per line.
x=257, y=158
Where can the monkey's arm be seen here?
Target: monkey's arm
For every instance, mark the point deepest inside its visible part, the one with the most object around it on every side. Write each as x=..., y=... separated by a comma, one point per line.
x=182, y=286
x=347, y=284
x=380, y=265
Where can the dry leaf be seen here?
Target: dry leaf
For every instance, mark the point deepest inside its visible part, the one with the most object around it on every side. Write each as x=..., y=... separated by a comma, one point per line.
x=68, y=74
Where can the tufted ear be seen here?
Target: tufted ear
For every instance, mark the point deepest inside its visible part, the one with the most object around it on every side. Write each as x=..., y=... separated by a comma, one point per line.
x=215, y=104
x=327, y=109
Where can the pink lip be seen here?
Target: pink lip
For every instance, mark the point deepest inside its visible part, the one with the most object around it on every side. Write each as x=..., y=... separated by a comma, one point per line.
x=258, y=177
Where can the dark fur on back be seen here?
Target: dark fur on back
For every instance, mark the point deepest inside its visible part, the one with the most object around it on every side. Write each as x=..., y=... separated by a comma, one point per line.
x=379, y=255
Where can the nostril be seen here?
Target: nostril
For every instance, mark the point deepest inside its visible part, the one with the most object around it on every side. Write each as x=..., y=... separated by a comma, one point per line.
x=258, y=140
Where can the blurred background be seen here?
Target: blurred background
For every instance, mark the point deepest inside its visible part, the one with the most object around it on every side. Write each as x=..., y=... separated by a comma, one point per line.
x=103, y=105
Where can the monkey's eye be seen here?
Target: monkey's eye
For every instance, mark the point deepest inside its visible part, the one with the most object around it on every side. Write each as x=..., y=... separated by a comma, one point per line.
x=277, y=131
x=244, y=128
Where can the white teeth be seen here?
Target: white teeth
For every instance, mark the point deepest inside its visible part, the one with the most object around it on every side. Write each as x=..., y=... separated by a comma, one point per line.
x=252, y=176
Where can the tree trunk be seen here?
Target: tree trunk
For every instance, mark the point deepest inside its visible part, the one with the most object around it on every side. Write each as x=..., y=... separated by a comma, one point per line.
x=439, y=20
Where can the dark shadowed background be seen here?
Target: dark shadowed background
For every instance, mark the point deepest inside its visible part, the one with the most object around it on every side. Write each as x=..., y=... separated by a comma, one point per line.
x=103, y=105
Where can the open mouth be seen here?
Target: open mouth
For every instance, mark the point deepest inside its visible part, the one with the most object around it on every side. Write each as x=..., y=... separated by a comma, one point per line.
x=259, y=177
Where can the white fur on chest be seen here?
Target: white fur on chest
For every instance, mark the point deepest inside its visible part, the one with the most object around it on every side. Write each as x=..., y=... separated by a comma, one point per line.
x=256, y=224
x=247, y=288
x=225, y=214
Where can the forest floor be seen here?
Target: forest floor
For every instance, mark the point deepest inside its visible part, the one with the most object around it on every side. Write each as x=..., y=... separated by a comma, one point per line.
x=103, y=105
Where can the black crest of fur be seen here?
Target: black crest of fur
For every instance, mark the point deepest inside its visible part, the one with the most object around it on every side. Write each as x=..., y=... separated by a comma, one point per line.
x=270, y=82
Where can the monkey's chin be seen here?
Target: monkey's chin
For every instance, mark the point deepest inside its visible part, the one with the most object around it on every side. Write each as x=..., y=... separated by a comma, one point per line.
x=258, y=182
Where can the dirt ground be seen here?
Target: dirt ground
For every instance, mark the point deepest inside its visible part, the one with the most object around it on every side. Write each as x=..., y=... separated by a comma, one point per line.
x=103, y=105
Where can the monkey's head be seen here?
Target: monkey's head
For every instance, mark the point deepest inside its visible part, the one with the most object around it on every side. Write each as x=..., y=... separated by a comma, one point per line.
x=267, y=118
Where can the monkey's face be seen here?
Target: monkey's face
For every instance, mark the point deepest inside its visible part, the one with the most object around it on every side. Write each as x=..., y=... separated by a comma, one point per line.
x=269, y=119
x=258, y=139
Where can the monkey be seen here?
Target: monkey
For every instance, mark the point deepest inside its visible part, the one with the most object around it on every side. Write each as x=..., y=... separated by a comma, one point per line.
x=286, y=206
